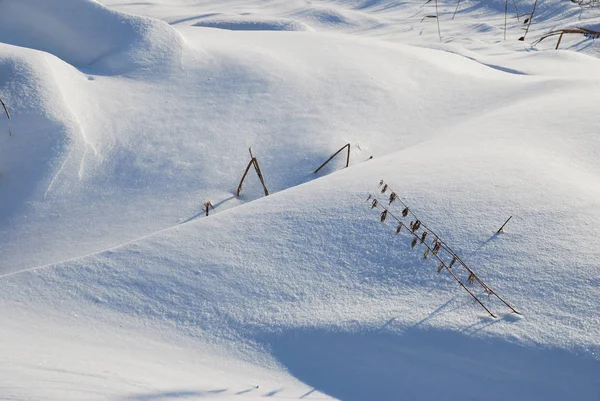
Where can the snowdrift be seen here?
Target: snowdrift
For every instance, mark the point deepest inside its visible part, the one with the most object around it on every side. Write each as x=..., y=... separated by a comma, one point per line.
x=115, y=285
x=86, y=34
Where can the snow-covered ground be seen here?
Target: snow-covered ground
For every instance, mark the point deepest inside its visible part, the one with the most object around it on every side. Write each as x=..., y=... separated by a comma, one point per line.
x=128, y=116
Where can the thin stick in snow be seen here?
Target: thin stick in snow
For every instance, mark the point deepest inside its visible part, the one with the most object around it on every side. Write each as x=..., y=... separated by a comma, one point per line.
x=501, y=229
x=253, y=162
x=334, y=155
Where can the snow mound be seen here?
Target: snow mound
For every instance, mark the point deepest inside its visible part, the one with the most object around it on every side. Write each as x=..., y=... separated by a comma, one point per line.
x=254, y=24
x=44, y=125
x=86, y=34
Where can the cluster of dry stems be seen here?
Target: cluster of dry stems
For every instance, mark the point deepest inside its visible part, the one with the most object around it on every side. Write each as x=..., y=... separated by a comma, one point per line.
x=434, y=248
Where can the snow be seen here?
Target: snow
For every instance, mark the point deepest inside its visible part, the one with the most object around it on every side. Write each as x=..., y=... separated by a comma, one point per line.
x=127, y=117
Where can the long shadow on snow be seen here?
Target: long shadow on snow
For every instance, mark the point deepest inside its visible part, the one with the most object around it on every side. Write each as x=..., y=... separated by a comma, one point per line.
x=433, y=365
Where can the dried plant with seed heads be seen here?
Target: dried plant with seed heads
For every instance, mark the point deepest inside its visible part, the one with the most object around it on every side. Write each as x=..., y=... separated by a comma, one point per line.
x=438, y=248
x=383, y=215
x=452, y=263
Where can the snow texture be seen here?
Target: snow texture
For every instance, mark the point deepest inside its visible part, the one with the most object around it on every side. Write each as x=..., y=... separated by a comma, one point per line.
x=128, y=116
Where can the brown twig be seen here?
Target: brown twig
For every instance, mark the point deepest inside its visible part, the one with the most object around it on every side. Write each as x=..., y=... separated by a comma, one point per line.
x=207, y=205
x=582, y=31
x=500, y=230
x=5, y=108
x=416, y=239
x=444, y=246
x=253, y=162
x=456, y=9
x=528, y=21
x=239, y=190
x=260, y=176
x=334, y=155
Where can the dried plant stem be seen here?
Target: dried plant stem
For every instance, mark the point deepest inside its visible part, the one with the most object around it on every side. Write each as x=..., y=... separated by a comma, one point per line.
x=437, y=19
x=5, y=108
x=334, y=155
x=500, y=230
x=505, y=16
x=456, y=9
x=582, y=31
x=448, y=269
x=208, y=205
x=447, y=248
x=516, y=9
x=529, y=20
x=559, y=39
x=239, y=190
x=260, y=177
x=253, y=162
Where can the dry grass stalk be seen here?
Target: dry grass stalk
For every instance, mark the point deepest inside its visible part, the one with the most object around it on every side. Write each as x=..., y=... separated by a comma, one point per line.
x=437, y=245
x=253, y=162
x=208, y=205
x=442, y=264
x=588, y=33
x=5, y=107
x=501, y=229
x=449, y=250
x=334, y=155
x=528, y=21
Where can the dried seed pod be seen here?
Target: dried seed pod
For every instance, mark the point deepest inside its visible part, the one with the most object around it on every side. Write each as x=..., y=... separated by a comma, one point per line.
x=405, y=212
x=385, y=187
x=392, y=197
x=440, y=268
x=471, y=278
x=399, y=228
x=426, y=254
x=414, y=242
x=452, y=263
x=423, y=237
x=374, y=204
x=383, y=215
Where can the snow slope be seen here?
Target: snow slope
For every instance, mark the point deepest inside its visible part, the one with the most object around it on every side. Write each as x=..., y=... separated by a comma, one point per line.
x=115, y=285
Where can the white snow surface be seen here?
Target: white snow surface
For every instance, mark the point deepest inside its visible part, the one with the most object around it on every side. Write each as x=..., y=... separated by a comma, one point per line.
x=128, y=116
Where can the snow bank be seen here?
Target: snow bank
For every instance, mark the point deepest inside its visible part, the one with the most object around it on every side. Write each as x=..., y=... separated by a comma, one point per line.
x=253, y=24
x=115, y=285
x=86, y=34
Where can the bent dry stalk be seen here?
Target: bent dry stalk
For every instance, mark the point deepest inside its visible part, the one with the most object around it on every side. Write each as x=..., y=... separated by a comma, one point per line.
x=253, y=162
x=437, y=245
x=334, y=155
